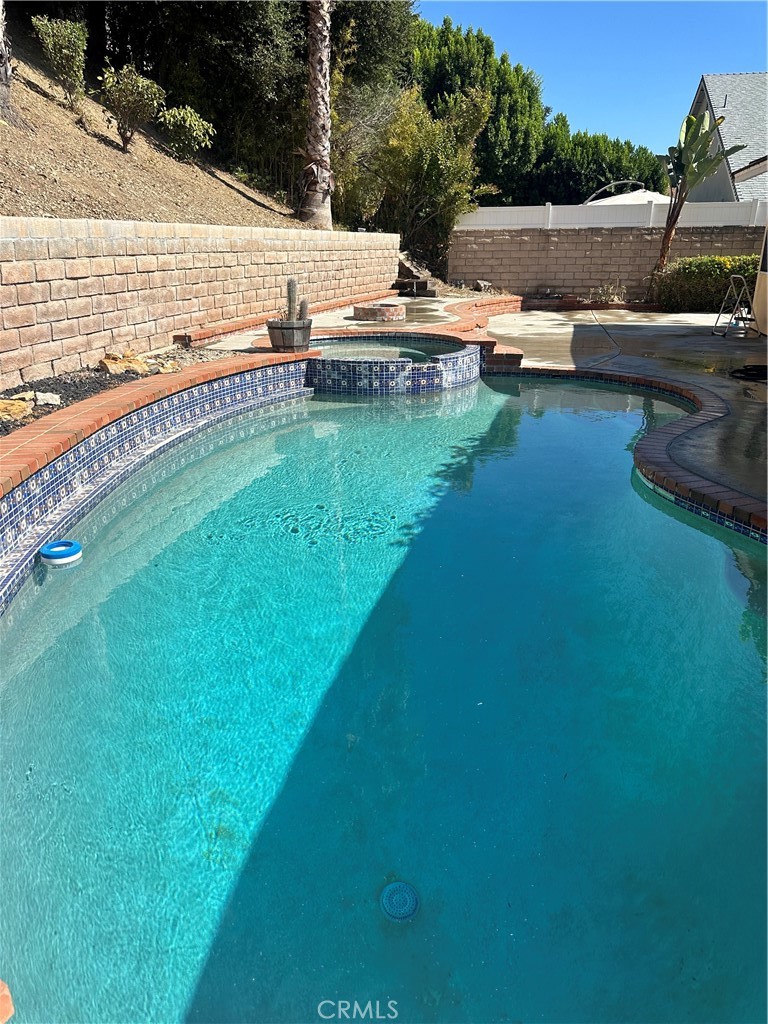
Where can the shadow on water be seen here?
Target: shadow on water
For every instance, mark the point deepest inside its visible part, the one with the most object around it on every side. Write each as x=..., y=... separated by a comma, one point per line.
x=302, y=923
x=384, y=788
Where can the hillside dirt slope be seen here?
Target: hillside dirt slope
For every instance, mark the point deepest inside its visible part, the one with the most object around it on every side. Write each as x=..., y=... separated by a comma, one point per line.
x=55, y=167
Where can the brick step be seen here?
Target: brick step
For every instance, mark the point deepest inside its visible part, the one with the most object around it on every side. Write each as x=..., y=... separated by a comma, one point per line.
x=421, y=286
x=503, y=360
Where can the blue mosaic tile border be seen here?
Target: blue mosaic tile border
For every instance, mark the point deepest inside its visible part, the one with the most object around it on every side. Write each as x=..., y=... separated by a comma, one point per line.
x=695, y=508
x=704, y=512
x=93, y=516
x=51, y=500
x=383, y=376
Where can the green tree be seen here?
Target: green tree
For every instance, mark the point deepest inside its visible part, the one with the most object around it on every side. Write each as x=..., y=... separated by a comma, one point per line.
x=374, y=40
x=187, y=132
x=361, y=115
x=571, y=167
x=529, y=159
x=427, y=172
x=448, y=62
x=549, y=180
x=132, y=100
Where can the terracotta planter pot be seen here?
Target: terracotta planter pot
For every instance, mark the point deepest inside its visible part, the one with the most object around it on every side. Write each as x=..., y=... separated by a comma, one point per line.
x=289, y=335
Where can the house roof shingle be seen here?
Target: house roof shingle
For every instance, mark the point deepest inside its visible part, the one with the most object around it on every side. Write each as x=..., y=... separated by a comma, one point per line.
x=742, y=99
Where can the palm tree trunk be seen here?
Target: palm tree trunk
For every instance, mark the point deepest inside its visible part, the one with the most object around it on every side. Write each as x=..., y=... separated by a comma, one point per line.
x=5, y=69
x=317, y=179
x=677, y=202
x=666, y=245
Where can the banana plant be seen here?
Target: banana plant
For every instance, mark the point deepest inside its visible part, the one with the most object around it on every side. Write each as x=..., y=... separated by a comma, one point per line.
x=687, y=164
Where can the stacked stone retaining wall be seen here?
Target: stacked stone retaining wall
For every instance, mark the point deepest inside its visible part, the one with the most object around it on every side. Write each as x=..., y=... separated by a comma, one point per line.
x=71, y=290
x=574, y=261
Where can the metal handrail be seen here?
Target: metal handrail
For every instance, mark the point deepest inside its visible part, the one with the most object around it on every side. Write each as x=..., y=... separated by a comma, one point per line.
x=737, y=306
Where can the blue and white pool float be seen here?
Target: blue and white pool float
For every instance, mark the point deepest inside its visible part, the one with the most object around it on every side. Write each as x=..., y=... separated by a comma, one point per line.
x=61, y=552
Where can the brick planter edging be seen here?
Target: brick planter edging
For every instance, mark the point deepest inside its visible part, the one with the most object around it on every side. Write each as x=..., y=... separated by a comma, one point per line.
x=652, y=458
x=576, y=305
x=201, y=336
x=474, y=314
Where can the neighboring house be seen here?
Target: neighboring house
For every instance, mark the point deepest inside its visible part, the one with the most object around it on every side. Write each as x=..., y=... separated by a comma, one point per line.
x=742, y=99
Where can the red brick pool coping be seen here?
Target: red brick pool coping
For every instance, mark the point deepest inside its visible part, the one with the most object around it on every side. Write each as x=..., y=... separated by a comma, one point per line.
x=34, y=446
x=28, y=449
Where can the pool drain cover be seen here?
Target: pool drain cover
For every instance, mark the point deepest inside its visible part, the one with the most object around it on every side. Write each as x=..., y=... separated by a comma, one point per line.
x=399, y=901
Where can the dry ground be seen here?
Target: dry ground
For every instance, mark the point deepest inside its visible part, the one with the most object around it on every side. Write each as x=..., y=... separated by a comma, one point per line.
x=56, y=167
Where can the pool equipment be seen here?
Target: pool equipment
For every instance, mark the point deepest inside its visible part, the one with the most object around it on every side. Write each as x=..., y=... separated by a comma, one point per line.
x=399, y=901
x=61, y=552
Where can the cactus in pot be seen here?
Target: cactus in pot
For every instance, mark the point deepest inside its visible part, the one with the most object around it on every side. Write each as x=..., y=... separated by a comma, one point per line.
x=290, y=333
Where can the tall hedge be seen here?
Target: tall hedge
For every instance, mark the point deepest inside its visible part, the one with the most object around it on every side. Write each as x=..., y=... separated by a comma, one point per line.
x=697, y=284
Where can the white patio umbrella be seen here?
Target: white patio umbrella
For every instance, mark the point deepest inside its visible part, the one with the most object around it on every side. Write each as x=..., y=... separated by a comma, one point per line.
x=642, y=195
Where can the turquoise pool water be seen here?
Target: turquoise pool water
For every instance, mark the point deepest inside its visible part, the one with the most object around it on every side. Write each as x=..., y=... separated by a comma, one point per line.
x=439, y=640
x=368, y=348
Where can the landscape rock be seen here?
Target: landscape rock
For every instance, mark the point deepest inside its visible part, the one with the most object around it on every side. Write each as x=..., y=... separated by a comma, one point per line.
x=47, y=398
x=114, y=364
x=162, y=364
x=13, y=409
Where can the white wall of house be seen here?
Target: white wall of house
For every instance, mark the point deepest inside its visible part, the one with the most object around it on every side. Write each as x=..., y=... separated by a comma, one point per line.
x=715, y=189
x=718, y=188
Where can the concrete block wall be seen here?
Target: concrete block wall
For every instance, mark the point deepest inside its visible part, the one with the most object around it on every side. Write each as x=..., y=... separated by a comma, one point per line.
x=70, y=290
x=530, y=260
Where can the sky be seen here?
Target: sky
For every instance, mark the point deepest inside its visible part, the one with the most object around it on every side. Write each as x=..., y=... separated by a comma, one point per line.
x=621, y=67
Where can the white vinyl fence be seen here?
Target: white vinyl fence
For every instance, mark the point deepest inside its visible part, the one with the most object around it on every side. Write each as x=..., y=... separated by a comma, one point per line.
x=614, y=215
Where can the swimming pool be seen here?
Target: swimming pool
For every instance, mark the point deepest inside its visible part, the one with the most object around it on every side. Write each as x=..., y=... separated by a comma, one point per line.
x=436, y=638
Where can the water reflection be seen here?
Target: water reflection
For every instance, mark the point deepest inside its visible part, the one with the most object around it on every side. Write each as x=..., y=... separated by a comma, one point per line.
x=746, y=571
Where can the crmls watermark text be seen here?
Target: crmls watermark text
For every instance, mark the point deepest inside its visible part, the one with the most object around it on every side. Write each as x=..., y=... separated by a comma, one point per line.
x=345, y=1009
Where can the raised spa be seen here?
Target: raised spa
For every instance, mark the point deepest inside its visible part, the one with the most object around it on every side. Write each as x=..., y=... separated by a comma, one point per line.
x=391, y=363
